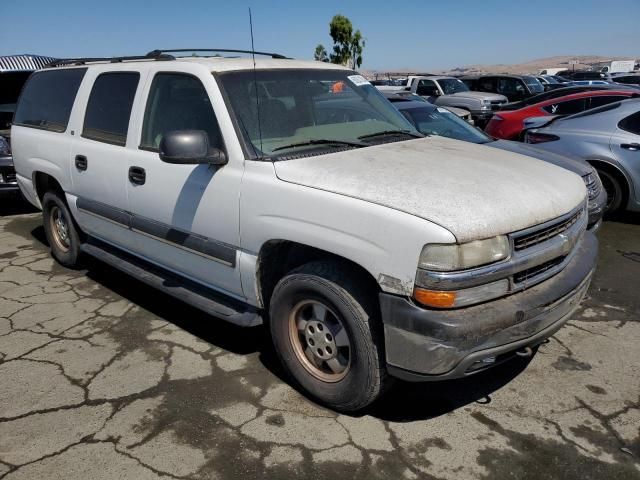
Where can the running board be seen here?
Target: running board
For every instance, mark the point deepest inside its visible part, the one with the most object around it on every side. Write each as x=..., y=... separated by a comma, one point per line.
x=202, y=298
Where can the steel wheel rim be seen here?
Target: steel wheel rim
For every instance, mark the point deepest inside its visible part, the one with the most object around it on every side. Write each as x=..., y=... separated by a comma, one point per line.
x=59, y=229
x=320, y=341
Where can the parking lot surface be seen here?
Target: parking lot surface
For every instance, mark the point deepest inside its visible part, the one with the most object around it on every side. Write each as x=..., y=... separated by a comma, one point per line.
x=102, y=378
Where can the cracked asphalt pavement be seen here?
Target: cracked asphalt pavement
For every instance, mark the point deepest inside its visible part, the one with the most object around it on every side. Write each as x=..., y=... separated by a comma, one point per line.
x=104, y=378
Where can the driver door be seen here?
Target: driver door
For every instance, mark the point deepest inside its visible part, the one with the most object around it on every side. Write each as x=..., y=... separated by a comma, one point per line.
x=185, y=216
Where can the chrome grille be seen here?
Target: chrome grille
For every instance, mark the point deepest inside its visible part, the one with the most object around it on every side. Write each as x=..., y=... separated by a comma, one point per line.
x=539, y=236
x=533, y=272
x=593, y=184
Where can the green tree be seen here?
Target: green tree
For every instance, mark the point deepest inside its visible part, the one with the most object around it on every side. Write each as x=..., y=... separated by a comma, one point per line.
x=320, y=54
x=347, y=44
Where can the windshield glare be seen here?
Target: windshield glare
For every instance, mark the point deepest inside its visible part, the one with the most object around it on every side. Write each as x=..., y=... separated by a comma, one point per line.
x=452, y=85
x=298, y=106
x=442, y=122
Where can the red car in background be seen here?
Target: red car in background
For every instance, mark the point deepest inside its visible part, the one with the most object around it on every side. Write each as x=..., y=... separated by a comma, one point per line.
x=508, y=125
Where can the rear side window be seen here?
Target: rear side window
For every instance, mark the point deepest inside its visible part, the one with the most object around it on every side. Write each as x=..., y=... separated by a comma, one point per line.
x=567, y=108
x=47, y=99
x=605, y=100
x=631, y=123
x=109, y=107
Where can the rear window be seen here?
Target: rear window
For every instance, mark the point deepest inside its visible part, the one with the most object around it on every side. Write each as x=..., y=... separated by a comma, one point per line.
x=47, y=99
x=631, y=123
x=109, y=107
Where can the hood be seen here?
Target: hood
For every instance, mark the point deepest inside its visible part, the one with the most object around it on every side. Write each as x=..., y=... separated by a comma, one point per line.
x=495, y=97
x=474, y=191
x=581, y=167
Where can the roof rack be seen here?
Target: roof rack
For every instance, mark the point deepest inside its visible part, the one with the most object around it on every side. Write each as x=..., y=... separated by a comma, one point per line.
x=218, y=50
x=83, y=60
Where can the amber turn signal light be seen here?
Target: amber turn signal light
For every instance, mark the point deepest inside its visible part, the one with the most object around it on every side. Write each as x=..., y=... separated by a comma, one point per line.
x=434, y=298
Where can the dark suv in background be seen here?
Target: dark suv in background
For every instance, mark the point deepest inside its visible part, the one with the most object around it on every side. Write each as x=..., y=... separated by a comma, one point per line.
x=514, y=87
x=14, y=71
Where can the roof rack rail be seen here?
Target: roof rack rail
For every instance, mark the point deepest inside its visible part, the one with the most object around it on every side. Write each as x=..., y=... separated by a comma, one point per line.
x=219, y=50
x=83, y=60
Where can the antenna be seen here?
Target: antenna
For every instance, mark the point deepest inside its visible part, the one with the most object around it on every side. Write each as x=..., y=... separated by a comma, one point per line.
x=255, y=81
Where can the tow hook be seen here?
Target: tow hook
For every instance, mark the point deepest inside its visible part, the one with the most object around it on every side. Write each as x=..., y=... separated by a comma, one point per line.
x=524, y=352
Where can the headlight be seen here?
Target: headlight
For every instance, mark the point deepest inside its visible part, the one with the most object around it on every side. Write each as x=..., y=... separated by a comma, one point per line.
x=450, y=257
x=486, y=102
x=4, y=147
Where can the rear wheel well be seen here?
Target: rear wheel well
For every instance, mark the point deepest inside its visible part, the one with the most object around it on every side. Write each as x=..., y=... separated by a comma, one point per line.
x=46, y=183
x=617, y=174
x=279, y=257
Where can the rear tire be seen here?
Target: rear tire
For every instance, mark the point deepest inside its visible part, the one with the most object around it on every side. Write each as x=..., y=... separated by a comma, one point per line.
x=325, y=328
x=61, y=231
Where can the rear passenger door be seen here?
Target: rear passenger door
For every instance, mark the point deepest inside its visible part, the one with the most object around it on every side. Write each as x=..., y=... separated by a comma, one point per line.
x=186, y=217
x=99, y=161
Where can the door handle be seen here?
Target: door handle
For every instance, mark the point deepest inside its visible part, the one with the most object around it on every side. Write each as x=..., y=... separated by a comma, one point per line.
x=137, y=175
x=634, y=147
x=81, y=162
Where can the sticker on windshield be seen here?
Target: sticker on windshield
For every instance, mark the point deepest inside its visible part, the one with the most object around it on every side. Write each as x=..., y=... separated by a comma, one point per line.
x=358, y=80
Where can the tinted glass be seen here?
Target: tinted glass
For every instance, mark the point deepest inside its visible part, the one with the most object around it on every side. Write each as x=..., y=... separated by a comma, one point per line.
x=109, y=107
x=631, y=123
x=510, y=87
x=567, y=108
x=47, y=99
x=605, y=100
x=178, y=102
x=427, y=88
x=629, y=80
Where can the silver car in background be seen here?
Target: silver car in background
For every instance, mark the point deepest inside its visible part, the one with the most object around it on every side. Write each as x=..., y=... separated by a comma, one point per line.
x=608, y=137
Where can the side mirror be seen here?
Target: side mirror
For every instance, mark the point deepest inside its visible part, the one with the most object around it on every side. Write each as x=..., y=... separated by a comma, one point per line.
x=189, y=147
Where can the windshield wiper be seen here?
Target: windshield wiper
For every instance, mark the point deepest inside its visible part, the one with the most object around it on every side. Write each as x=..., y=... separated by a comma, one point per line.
x=391, y=132
x=320, y=141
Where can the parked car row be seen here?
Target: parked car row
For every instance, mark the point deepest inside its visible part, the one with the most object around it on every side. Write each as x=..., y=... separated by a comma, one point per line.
x=294, y=194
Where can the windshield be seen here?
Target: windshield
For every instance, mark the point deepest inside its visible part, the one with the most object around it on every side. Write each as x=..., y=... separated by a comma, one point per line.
x=452, y=85
x=440, y=121
x=308, y=111
x=534, y=84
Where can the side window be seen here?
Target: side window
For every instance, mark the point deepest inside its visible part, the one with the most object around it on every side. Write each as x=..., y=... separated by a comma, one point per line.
x=109, y=107
x=510, y=86
x=178, y=102
x=605, y=100
x=631, y=123
x=486, y=85
x=47, y=99
x=566, y=108
x=426, y=88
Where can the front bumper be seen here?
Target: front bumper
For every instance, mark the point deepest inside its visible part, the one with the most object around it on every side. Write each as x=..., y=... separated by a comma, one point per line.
x=426, y=345
x=8, y=180
x=596, y=211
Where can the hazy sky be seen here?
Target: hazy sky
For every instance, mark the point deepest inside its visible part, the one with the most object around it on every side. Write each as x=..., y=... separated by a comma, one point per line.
x=411, y=34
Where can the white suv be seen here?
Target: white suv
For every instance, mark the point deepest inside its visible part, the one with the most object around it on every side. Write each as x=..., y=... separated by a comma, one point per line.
x=293, y=193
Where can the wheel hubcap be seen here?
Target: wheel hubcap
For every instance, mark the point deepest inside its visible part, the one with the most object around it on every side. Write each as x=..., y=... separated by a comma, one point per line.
x=320, y=340
x=59, y=229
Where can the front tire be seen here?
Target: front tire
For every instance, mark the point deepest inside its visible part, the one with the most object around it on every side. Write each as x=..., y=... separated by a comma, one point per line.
x=61, y=231
x=325, y=328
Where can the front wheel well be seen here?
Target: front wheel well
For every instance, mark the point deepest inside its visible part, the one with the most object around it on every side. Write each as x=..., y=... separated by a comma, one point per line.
x=279, y=257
